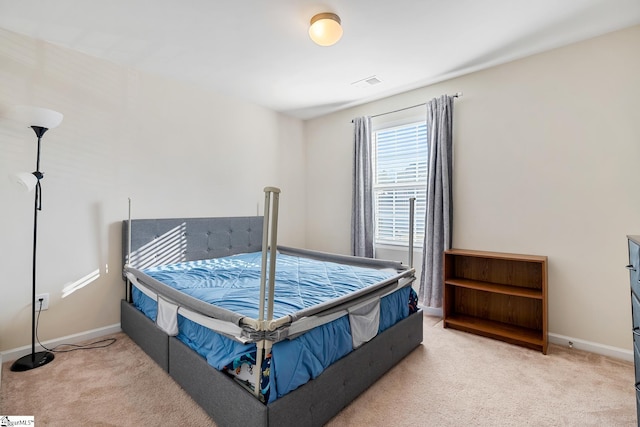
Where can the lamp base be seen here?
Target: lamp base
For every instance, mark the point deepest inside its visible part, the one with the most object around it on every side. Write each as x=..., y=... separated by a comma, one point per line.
x=32, y=361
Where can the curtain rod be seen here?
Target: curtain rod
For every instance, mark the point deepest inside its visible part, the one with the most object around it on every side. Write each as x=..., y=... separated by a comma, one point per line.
x=456, y=95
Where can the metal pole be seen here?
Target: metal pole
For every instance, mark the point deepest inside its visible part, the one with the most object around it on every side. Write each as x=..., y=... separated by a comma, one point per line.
x=34, y=359
x=412, y=202
x=272, y=259
x=33, y=274
x=37, y=206
x=127, y=291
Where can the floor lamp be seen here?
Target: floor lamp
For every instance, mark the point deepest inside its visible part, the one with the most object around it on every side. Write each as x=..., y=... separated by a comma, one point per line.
x=40, y=120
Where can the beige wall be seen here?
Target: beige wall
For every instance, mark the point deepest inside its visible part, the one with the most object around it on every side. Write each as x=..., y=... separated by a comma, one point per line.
x=174, y=149
x=546, y=151
x=547, y=161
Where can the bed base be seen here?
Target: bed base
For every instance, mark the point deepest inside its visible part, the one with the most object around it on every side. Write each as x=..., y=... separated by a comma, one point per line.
x=145, y=334
x=313, y=404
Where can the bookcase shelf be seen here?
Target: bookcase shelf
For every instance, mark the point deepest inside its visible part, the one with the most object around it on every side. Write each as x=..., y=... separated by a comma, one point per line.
x=497, y=295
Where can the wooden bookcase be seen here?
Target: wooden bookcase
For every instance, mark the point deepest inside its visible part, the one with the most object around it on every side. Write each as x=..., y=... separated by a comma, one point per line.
x=497, y=295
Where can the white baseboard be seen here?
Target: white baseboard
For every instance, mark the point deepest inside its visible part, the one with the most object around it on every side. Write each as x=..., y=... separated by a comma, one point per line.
x=593, y=347
x=16, y=353
x=432, y=311
x=562, y=340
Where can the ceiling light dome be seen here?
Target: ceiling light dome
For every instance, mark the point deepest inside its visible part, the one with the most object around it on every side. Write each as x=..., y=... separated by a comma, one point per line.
x=325, y=29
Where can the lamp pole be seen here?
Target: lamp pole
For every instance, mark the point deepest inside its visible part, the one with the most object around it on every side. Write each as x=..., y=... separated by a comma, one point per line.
x=34, y=360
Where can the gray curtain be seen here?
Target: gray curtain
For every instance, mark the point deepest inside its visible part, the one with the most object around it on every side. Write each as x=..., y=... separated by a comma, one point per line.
x=362, y=207
x=439, y=212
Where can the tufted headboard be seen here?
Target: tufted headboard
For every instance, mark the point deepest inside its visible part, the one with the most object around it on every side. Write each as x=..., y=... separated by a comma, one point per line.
x=165, y=241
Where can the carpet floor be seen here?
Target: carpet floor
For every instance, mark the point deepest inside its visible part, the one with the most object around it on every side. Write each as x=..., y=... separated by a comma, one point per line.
x=452, y=379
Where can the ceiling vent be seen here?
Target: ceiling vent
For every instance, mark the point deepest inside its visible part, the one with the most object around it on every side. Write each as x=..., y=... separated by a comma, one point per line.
x=369, y=81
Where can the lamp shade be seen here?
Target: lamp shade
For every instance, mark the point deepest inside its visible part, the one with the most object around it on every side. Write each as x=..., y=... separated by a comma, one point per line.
x=27, y=180
x=37, y=116
x=325, y=29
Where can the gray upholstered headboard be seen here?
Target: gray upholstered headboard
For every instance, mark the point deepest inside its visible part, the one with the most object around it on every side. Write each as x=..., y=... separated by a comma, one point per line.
x=165, y=241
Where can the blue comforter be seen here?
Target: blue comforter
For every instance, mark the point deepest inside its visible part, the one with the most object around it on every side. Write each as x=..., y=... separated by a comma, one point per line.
x=234, y=283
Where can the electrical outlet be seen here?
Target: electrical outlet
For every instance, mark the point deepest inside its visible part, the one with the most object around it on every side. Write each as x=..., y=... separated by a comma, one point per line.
x=45, y=302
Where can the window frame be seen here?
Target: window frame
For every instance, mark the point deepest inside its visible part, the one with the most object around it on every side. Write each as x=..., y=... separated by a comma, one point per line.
x=420, y=188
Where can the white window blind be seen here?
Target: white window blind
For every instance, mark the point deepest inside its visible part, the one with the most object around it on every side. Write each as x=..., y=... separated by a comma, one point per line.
x=400, y=172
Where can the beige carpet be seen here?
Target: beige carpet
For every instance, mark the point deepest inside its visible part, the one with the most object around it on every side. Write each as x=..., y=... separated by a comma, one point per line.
x=453, y=379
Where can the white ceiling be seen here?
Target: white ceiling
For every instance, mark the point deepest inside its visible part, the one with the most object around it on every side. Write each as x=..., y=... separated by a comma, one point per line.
x=259, y=50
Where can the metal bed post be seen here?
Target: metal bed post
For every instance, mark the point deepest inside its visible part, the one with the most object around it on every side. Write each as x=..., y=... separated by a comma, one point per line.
x=263, y=346
x=263, y=270
x=412, y=202
x=274, y=245
x=127, y=292
x=272, y=263
x=265, y=244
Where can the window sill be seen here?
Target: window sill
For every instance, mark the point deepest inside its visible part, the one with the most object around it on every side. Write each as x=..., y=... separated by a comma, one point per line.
x=398, y=247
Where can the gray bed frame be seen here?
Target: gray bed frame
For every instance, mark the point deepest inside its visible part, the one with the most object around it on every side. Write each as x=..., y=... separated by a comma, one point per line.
x=224, y=400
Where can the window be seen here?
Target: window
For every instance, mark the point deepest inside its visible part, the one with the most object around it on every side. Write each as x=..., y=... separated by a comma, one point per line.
x=400, y=172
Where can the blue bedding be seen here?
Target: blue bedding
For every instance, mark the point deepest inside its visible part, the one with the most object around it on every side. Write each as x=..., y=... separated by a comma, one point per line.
x=293, y=362
x=233, y=282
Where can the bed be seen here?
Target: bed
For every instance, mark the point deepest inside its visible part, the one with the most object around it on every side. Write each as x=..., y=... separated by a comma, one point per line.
x=162, y=255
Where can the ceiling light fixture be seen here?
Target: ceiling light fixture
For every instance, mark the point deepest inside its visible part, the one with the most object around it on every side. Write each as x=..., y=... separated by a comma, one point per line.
x=325, y=29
